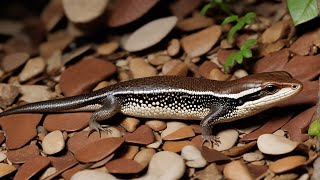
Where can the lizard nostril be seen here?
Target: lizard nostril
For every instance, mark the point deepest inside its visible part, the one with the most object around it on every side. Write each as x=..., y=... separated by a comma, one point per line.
x=295, y=86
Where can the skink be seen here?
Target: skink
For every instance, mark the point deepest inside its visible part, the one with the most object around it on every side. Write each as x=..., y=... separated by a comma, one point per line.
x=173, y=97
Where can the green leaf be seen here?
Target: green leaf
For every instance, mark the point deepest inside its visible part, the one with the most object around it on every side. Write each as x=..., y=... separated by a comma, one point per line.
x=314, y=129
x=248, y=44
x=248, y=17
x=246, y=53
x=233, y=30
x=206, y=8
x=229, y=62
x=230, y=19
x=302, y=10
x=239, y=58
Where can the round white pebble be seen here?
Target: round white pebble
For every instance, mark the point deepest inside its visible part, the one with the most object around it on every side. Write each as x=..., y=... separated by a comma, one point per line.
x=165, y=165
x=53, y=142
x=228, y=138
x=92, y=175
x=193, y=157
x=275, y=145
x=149, y=34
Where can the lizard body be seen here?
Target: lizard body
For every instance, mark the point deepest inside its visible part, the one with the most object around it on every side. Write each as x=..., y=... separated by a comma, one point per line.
x=173, y=97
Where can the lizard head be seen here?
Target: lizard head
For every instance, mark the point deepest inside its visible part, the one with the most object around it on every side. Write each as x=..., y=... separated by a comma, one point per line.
x=253, y=94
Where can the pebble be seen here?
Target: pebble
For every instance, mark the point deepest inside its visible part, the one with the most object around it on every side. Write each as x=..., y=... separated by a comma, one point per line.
x=131, y=151
x=108, y=48
x=193, y=157
x=237, y=170
x=151, y=33
x=196, y=128
x=53, y=142
x=130, y=124
x=67, y=121
x=206, y=67
x=139, y=68
x=20, y=129
x=224, y=54
x=144, y=156
x=93, y=175
x=159, y=60
x=218, y=75
x=298, y=125
x=287, y=163
x=173, y=47
x=58, y=43
x=156, y=125
x=165, y=165
x=274, y=123
x=316, y=173
x=127, y=11
x=98, y=150
x=228, y=138
x=33, y=67
x=82, y=139
x=172, y=127
x=6, y=169
x=83, y=76
x=303, y=45
x=143, y=135
x=157, y=143
x=182, y=133
x=175, y=68
x=253, y=156
x=60, y=162
x=70, y=172
x=212, y=155
x=8, y=94
x=101, y=85
x=175, y=146
x=201, y=42
x=239, y=150
x=54, y=63
x=257, y=170
x=275, y=145
x=48, y=172
x=181, y=8
x=272, y=62
x=3, y=156
x=197, y=21
x=77, y=52
x=23, y=154
x=274, y=47
x=124, y=166
x=13, y=61
x=240, y=73
x=31, y=167
x=303, y=71
x=275, y=32
x=210, y=172
x=36, y=93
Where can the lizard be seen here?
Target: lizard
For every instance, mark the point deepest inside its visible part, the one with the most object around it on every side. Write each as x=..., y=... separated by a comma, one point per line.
x=177, y=97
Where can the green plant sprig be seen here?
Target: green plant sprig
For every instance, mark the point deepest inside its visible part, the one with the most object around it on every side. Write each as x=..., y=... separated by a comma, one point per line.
x=222, y=4
x=241, y=22
x=245, y=52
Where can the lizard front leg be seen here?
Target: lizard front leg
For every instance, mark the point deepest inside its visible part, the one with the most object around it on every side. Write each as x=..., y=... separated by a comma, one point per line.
x=110, y=106
x=217, y=110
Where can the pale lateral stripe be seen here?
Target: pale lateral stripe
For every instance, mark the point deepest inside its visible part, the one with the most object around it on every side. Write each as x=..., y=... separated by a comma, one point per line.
x=234, y=96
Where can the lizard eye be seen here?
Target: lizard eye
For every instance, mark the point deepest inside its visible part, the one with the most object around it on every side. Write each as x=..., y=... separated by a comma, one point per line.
x=271, y=88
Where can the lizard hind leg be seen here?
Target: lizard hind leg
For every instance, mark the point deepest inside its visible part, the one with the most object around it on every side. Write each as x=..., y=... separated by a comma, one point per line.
x=110, y=106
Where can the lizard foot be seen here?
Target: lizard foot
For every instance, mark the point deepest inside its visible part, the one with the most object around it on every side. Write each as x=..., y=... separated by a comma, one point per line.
x=212, y=140
x=94, y=126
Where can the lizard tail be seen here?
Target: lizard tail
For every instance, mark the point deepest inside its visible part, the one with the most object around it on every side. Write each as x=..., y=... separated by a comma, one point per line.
x=74, y=103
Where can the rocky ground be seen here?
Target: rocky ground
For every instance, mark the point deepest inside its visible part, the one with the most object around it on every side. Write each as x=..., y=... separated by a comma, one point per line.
x=63, y=48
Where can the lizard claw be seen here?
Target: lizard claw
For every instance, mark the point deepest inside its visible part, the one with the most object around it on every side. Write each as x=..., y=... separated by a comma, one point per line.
x=212, y=140
x=94, y=126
